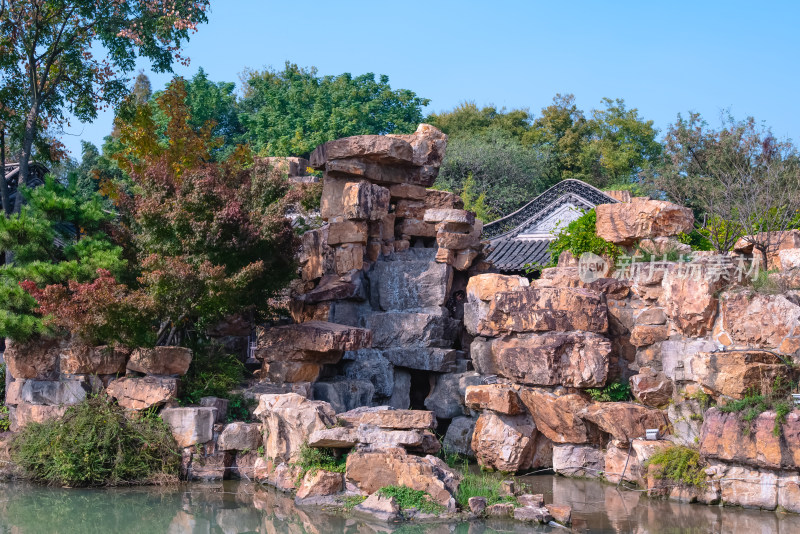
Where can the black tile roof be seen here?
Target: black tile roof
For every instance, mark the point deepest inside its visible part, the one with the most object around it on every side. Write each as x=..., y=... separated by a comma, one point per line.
x=512, y=253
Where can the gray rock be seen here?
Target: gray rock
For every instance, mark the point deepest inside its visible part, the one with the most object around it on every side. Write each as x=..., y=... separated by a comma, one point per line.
x=53, y=392
x=338, y=437
x=458, y=438
x=676, y=356
x=344, y=394
x=578, y=461
x=477, y=505
x=380, y=508
x=401, y=394
x=220, y=404
x=240, y=436
x=447, y=398
x=406, y=285
x=424, y=359
x=686, y=418
x=369, y=364
x=190, y=425
x=429, y=328
x=382, y=438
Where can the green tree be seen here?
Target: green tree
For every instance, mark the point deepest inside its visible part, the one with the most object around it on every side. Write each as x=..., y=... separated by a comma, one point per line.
x=468, y=120
x=56, y=237
x=52, y=63
x=292, y=111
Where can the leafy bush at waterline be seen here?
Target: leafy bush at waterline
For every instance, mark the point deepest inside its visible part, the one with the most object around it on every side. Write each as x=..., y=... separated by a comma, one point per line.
x=95, y=444
x=678, y=464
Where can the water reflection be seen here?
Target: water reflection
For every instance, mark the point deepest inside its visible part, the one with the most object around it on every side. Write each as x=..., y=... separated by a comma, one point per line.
x=234, y=508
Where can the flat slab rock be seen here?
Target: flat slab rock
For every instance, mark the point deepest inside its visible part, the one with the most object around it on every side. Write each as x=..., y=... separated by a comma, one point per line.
x=317, y=336
x=382, y=417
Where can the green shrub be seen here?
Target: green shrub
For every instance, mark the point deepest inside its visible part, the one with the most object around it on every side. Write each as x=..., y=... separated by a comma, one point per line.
x=678, y=464
x=580, y=236
x=351, y=501
x=97, y=444
x=765, y=284
x=696, y=240
x=5, y=420
x=614, y=392
x=212, y=373
x=313, y=460
x=411, y=498
x=239, y=408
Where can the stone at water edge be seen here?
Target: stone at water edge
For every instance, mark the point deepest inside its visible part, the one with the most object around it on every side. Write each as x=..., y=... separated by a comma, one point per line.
x=527, y=513
x=500, y=510
x=531, y=500
x=382, y=508
x=287, y=422
x=504, y=442
x=561, y=513
x=477, y=505
x=578, y=461
x=625, y=421
x=320, y=483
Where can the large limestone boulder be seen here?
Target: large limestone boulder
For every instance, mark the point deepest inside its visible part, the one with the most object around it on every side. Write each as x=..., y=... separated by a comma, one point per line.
x=377, y=148
x=161, y=360
x=625, y=421
x=556, y=416
x=428, y=145
x=369, y=471
x=628, y=463
x=142, y=393
x=534, y=309
x=727, y=437
x=504, y=443
x=363, y=200
x=190, y=426
x=578, y=461
x=411, y=284
x=37, y=359
x=370, y=365
x=383, y=417
x=626, y=223
x=481, y=290
x=574, y=359
x=751, y=319
x=82, y=359
x=312, y=341
x=287, y=422
x=344, y=394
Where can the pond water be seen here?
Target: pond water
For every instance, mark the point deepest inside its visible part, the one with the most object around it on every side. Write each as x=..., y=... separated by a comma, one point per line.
x=233, y=507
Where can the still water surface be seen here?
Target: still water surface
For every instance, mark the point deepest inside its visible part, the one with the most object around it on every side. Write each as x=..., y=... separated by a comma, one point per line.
x=233, y=508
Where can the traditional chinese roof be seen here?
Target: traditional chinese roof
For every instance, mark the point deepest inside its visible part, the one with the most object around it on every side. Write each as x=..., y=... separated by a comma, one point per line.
x=523, y=237
x=36, y=173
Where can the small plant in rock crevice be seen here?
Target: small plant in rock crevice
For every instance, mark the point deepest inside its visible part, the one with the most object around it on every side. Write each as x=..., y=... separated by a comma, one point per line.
x=614, y=392
x=481, y=484
x=318, y=459
x=410, y=498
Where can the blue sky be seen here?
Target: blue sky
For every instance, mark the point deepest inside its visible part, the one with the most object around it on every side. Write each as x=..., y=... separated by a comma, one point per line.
x=661, y=57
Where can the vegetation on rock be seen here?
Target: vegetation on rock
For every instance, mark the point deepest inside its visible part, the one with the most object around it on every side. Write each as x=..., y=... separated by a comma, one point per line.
x=96, y=443
x=614, y=392
x=779, y=398
x=313, y=459
x=408, y=498
x=579, y=237
x=679, y=464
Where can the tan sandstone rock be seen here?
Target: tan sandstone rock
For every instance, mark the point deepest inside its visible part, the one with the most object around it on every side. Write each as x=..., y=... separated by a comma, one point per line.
x=191, y=425
x=366, y=201
x=310, y=341
x=371, y=470
x=104, y=360
x=690, y=295
x=755, y=320
x=575, y=359
x=390, y=419
x=142, y=393
x=504, y=443
x=288, y=420
x=36, y=359
x=556, y=415
x=35, y=413
x=626, y=223
x=500, y=398
x=625, y=421
x=481, y=290
x=531, y=309
x=734, y=374
x=379, y=148
x=161, y=360
x=651, y=388
x=320, y=483
x=727, y=437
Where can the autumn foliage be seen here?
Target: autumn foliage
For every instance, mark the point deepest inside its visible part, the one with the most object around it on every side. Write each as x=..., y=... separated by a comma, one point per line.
x=204, y=239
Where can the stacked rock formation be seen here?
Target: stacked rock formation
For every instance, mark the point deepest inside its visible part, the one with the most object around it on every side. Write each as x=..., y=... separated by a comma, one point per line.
x=683, y=335
x=384, y=271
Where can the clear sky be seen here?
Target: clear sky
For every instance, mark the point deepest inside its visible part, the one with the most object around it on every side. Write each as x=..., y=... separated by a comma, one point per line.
x=662, y=57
